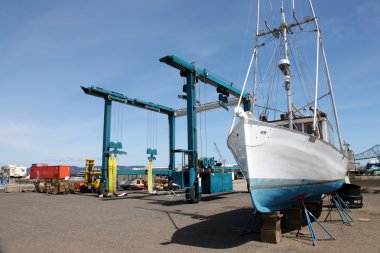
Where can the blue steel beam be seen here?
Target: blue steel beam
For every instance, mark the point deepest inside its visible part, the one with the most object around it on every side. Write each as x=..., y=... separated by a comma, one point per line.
x=106, y=139
x=191, y=121
x=171, y=143
x=142, y=172
x=206, y=77
x=118, y=97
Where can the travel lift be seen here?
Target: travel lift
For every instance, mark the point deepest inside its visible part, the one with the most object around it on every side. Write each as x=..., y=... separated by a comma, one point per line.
x=112, y=149
x=188, y=178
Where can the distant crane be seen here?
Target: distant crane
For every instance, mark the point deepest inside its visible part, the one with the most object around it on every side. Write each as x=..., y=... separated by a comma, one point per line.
x=373, y=152
x=221, y=158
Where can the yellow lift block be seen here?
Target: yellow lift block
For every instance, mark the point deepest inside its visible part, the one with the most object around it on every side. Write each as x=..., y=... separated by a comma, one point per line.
x=112, y=172
x=152, y=153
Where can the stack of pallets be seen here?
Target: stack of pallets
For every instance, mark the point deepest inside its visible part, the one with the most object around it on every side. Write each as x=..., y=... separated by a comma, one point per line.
x=53, y=186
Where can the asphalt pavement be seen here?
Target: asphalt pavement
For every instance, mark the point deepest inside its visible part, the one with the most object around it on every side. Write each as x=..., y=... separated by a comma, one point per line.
x=139, y=222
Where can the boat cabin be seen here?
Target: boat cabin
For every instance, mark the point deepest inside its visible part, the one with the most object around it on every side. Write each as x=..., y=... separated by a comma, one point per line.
x=305, y=125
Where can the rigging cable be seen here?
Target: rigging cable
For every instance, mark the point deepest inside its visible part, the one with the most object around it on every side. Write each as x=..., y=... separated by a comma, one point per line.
x=254, y=55
x=152, y=130
x=301, y=77
x=247, y=32
x=303, y=74
x=315, y=128
x=245, y=82
x=275, y=105
x=271, y=9
x=263, y=77
x=275, y=56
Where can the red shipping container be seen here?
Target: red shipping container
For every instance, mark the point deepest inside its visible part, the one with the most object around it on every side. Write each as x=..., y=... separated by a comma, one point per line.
x=50, y=172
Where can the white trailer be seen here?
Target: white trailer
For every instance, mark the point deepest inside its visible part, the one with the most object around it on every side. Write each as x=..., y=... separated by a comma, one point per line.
x=14, y=170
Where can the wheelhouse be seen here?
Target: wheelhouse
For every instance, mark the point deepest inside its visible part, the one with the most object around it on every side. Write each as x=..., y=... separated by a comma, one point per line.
x=305, y=125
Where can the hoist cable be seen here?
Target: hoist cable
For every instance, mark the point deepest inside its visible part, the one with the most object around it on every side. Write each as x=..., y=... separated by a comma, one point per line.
x=156, y=129
x=205, y=120
x=200, y=122
x=118, y=122
x=122, y=122
x=147, y=131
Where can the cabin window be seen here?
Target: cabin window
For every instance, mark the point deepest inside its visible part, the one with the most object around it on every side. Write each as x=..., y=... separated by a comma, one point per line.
x=297, y=127
x=308, y=128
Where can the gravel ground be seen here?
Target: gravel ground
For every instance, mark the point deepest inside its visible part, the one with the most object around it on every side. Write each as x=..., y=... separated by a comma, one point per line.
x=36, y=222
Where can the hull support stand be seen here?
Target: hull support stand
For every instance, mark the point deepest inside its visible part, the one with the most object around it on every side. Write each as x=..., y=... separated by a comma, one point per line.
x=342, y=207
x=311, y=228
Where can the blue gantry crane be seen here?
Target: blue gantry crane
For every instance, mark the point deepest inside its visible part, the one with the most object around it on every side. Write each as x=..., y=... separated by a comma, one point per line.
x=193, y=74
x=189, y=177
x=108, y=146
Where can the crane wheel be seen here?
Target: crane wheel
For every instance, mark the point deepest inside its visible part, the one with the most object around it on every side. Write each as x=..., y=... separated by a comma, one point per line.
x=192, y=194
x=82, y=189
x=102, y=190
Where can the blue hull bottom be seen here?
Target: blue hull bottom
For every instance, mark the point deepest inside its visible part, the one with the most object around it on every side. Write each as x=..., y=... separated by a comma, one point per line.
x=270, y=195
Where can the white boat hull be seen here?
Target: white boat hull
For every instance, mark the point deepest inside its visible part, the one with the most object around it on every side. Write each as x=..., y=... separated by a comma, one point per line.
x=280, y=165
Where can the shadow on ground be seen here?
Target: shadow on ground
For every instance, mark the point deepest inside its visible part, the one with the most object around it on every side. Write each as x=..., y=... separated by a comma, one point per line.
x=220, y=231
x=180, y=199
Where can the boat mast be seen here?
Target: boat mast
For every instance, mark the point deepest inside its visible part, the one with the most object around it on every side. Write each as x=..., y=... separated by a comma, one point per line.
x=256, y=57
x=284, y=66
x=328, y=79
x=315, y=112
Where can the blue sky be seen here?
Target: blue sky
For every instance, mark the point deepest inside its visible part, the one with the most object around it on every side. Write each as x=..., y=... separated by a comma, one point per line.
x=50, y=48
